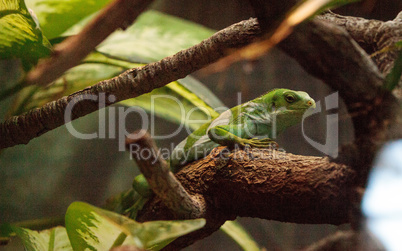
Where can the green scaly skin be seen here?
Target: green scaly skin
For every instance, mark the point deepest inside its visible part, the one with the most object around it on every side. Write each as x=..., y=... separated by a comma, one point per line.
x=254, y=123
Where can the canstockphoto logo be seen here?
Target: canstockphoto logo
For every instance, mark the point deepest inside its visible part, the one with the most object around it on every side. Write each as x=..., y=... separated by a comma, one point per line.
x=330, y=147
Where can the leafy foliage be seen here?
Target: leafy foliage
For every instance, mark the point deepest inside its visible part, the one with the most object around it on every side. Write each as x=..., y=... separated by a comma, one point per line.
x=240, y=235
x=20, y=36
x=56, y=17
x=51, y=239
x=92, y=228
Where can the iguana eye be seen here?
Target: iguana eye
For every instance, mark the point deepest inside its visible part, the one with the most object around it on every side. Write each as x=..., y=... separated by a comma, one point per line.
x=290, y=98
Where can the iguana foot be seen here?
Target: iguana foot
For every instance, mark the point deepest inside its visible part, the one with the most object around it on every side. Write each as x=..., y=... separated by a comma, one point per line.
x=134, y=209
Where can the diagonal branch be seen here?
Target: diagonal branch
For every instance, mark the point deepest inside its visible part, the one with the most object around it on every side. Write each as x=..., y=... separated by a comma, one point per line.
x=119, y=14
x=132, y=83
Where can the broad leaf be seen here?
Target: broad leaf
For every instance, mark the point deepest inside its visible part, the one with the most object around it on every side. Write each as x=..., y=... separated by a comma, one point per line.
x=46, y=240
x=152, y=37
x=235, y=231
x=92, y=228
x=20, y=36
x=57, y=16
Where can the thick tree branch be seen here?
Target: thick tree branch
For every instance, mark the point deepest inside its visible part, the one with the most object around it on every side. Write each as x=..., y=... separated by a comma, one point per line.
x=262, y=183
x=119, y=14
x=372, y=35
x=132, y=83
x=329, y=53
x=362, y=30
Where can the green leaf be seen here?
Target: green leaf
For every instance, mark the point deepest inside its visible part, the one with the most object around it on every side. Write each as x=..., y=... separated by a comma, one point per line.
x=335, y=4
x=89, y=227
x=394, y=77
x=152, y=37
x=51, y=239
x=57, y=16
x=92, y=228
x=157, y=234
x=20, y=36
x=6, y=229
x=235, y=231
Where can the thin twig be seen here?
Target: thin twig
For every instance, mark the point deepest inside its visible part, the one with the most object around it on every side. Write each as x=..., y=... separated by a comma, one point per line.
x=118, y=15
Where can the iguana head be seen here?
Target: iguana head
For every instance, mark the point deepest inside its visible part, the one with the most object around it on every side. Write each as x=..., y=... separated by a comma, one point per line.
x=291, y=100
x=288, y=106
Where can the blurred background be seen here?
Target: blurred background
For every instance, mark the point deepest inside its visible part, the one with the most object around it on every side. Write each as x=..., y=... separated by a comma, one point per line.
x=42, y=178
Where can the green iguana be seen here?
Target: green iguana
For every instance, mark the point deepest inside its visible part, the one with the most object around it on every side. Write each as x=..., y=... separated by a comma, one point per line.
x=254, y=123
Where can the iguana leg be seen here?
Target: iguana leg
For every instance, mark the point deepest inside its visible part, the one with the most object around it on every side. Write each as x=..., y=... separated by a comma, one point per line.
x=141, y=186
x=231, y=135
x=139, y=203
x=142, y=192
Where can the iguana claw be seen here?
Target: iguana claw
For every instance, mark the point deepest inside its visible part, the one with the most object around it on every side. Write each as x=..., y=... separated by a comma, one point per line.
x=258, y=143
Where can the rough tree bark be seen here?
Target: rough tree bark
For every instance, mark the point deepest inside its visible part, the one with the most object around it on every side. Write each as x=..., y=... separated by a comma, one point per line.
x=262, y=183
x=372, y=36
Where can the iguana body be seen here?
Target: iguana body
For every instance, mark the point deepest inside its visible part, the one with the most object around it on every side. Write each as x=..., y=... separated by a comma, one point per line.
x=253, y=123
x=265, y=117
